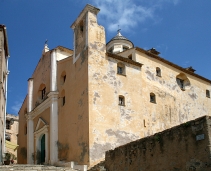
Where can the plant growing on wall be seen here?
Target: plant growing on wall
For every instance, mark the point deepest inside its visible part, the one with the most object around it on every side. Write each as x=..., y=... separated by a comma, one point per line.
x=23, y=152
x=62, y=151
x=37, y=156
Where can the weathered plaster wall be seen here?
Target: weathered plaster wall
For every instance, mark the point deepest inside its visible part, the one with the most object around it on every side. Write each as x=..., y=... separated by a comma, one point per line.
x=185, y=147
x=73, y=116
x=112, y=125
x=173, y=105
x=13, y=131
x=40, y=76
x=22, y=136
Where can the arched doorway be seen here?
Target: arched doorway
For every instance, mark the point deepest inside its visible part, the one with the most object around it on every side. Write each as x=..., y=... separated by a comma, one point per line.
x=42, y=152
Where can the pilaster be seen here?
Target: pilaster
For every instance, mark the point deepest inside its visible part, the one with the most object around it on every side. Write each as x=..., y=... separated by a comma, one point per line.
x=53, y=78
x=53, y=95
x=30, y=140
x=30, y=123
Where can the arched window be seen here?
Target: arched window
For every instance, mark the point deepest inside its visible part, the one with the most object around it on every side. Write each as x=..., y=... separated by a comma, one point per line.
x=25, y=129
x=125, y=48
x=63, y=100
x=152, y=98
x=63, y=77
x=121, y=69
x=25, y=111
x=182, y=81
x=121, y=100
x=82, y=26
x=158, y=72
x=42, y=91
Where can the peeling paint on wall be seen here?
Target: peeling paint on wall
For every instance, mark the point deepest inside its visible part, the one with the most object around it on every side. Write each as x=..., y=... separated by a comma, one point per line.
x=122, y=137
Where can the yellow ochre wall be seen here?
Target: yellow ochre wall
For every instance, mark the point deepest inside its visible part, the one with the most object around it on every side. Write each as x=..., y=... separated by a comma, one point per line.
x=112, y=125
x=22, y=136
x=91, y=121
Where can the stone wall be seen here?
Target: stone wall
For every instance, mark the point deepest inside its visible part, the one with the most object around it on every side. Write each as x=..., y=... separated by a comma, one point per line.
x=182, y=148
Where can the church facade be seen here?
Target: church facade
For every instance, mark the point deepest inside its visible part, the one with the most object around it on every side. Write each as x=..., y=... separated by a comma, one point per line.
x=86, y=101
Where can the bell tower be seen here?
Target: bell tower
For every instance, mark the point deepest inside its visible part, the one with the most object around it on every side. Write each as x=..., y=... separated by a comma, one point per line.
x=86, y=31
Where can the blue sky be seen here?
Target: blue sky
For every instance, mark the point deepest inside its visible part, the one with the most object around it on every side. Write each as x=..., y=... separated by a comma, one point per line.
x=179, y=29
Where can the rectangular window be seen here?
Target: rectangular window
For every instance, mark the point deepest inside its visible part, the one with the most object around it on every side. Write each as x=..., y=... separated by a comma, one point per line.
x=152, y=98
x=121, y=100
x=120, y=70
x=7, y=124
x=208, y=93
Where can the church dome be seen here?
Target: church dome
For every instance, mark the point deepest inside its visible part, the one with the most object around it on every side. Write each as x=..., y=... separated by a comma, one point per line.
x=118, y=44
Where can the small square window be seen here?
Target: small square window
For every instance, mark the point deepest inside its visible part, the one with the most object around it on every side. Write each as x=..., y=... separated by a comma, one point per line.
x=152, y=98
x=120, y=70
x=121, y=100
x=130, y=57
x=208, y=93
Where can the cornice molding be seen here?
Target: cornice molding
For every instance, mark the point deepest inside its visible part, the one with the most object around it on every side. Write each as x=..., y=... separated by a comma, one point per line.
x=115, y=56
x=42, y=106
x=44, y=129
x=172, y=64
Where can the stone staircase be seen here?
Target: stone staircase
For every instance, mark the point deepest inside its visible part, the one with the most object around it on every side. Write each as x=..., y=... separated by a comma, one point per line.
x=98, y=167
x=26, y=167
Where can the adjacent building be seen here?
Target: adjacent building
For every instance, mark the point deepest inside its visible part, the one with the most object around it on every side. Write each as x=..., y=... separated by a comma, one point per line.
x=99, y=96
x=11, y=134
x=4, y=55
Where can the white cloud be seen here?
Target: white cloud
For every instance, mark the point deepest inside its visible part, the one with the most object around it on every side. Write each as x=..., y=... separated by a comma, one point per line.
x=127, y=13
x=16, y=107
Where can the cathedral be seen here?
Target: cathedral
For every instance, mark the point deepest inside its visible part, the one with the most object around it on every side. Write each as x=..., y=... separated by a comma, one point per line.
x=101, y=95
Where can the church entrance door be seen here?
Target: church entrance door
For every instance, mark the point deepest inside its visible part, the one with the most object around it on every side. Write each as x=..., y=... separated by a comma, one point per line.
x=42, y=149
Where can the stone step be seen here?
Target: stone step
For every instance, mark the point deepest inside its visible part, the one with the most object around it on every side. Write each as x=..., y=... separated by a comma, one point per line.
x=34, y=168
